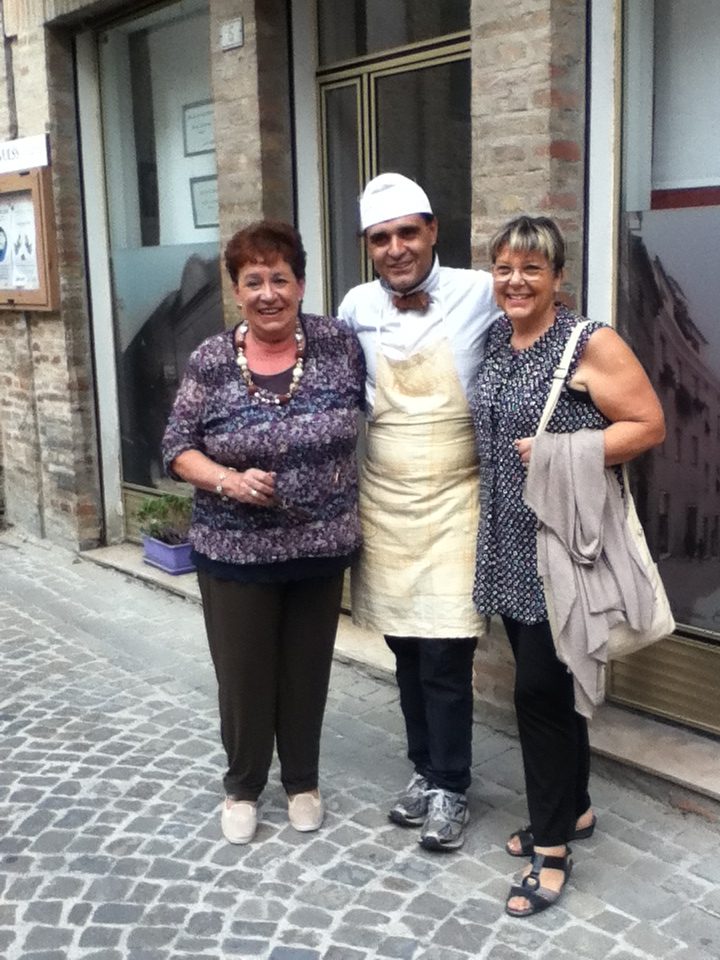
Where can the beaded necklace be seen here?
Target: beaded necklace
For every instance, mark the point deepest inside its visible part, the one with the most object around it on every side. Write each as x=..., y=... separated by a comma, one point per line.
x=260, y=393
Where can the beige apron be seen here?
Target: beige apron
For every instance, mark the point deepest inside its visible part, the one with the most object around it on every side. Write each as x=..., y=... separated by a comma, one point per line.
x=419, y=492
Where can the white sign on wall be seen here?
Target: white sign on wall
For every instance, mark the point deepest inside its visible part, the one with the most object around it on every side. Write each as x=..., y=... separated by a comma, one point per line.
x=23, y=154
x=18, y=244
x=232, y=34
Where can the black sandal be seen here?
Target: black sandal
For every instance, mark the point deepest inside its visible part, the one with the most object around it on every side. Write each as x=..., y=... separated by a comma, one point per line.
x=527, y=841
x=538, y=897
x=585, y=832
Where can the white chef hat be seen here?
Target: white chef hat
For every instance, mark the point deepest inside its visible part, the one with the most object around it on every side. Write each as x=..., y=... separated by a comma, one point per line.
x=391, y=195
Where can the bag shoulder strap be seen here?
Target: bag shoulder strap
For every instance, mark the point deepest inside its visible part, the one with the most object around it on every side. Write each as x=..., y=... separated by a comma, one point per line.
x=560, y=375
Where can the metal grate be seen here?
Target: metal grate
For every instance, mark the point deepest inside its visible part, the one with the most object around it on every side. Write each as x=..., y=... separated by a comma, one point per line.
x=678, y=679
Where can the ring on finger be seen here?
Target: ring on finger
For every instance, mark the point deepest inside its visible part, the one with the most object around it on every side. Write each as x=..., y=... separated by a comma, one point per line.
x=253, y=492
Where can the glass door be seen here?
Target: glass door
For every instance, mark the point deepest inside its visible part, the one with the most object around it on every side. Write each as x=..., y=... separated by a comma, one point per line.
x=669, y=287
x=406, y=111
x=159, y=157
x=423, y=130
x=341, y=109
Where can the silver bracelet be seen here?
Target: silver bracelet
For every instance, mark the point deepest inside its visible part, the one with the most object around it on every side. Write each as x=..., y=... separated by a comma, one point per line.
x=219, y=485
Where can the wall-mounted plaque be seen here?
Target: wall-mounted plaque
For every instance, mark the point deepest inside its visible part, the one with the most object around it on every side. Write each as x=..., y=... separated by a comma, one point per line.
x=198, y=128
x=204, y=194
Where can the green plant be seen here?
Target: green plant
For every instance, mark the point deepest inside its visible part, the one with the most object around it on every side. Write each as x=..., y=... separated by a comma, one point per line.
x=165, y=517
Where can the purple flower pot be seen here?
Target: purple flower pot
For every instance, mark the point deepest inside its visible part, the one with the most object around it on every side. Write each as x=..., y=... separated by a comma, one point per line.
x=173, y=558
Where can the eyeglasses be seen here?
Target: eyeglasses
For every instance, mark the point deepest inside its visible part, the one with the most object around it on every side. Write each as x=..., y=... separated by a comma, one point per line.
x=528, y=273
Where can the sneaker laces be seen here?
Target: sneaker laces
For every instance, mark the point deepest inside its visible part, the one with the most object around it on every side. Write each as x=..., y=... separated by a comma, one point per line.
x=441, y=802
x=418, y=782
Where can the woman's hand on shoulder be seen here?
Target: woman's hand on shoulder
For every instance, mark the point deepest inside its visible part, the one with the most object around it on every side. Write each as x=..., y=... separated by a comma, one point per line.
x=622, y=392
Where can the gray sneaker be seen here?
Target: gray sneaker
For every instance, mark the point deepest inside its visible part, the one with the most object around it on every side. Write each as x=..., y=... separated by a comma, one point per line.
x=444, y=825
x=410, y=809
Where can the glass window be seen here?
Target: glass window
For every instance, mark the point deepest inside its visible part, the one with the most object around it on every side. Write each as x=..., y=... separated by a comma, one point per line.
x=163, y=215
x=686, y=148
x=385, y=116
x=343, y=188
x=670, y=284
x=354, y=28
x=410, y=106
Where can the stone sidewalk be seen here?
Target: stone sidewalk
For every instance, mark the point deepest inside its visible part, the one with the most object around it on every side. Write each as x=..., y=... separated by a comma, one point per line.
x=110, y=847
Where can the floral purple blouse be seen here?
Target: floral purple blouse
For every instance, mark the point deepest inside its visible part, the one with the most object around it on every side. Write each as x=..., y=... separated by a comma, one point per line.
x=309, y=442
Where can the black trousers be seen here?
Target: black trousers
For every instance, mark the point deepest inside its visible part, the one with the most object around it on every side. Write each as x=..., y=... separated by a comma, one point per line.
x=436, y=696
x=271, y=645
x=553, y=736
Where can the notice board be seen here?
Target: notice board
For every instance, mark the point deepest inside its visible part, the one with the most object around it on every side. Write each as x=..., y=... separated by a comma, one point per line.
x=28, y=242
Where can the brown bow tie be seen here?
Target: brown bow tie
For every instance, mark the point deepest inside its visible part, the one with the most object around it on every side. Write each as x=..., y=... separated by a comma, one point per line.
x=419, y=300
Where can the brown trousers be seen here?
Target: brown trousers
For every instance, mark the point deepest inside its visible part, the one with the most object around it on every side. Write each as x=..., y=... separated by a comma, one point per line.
x=271, y=646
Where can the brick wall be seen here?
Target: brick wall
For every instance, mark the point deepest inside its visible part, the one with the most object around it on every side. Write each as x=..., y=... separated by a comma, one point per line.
x=47, y=403
x=18, y=418
x=51, y=477
x=528, y=111
x=252, y=120
x=47, y=413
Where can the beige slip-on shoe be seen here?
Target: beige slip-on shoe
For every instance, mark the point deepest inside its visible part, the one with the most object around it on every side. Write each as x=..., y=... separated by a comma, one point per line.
x=306, y=811
x=238, y=820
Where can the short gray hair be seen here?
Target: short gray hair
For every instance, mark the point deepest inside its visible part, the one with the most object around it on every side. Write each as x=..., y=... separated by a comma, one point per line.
x=527, y=234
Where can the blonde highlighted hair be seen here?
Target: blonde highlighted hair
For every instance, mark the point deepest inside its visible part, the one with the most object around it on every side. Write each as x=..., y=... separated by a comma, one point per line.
x=529, y=235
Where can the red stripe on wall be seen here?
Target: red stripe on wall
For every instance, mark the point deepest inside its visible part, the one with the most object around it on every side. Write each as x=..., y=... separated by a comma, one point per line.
x=685, y=197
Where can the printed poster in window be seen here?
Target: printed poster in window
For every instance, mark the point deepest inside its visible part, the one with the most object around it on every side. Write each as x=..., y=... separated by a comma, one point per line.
x=18, y=251
x=5, y=246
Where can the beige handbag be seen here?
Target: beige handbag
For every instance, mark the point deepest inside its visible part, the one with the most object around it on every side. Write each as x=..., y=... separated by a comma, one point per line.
x=623, y=640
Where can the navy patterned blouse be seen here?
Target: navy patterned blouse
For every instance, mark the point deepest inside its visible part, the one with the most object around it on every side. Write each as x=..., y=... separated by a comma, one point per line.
x=506, y=404
x=309, y=442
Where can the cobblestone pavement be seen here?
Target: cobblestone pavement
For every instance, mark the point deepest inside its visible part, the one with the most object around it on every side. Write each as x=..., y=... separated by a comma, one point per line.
x=110, y=846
